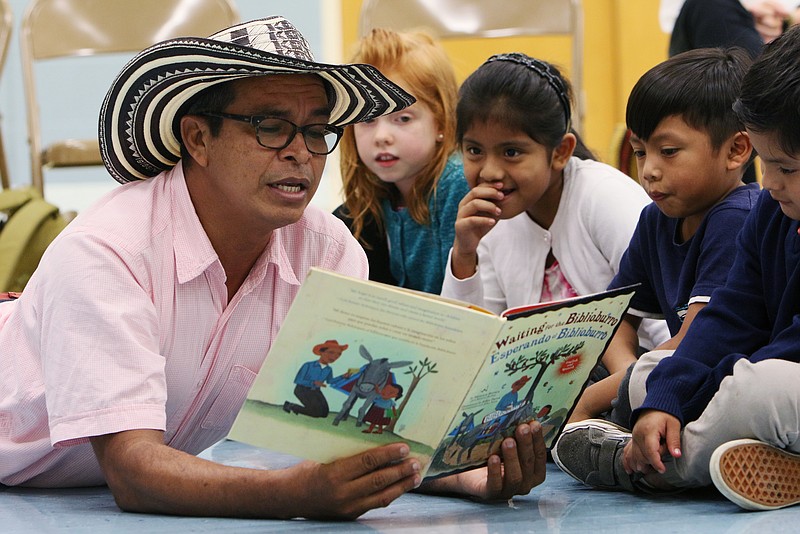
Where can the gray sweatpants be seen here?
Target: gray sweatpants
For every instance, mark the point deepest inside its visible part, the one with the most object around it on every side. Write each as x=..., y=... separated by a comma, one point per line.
x=759, y=400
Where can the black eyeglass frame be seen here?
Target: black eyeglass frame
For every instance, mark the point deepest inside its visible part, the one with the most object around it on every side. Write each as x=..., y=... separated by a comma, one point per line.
x=256, y=120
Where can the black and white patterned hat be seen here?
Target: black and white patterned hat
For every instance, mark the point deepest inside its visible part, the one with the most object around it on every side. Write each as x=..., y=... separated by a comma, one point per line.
x=140, y=118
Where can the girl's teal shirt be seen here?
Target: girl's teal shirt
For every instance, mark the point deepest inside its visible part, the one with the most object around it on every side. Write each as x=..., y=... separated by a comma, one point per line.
x=418, y=253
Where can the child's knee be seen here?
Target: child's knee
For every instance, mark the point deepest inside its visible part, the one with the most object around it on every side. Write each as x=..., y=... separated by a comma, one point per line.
x=763, y=387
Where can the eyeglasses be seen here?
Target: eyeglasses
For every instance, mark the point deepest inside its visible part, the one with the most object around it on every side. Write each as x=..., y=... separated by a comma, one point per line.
x=276, y=134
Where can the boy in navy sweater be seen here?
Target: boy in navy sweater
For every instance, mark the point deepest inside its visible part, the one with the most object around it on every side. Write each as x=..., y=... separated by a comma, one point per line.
x=724, y=408
x=691, y=153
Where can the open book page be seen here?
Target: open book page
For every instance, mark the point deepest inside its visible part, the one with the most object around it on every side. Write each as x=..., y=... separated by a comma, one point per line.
x=358, y=364
x=538, y=366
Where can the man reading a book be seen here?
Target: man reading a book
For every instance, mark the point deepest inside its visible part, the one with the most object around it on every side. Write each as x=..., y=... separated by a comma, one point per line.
x=136, y=340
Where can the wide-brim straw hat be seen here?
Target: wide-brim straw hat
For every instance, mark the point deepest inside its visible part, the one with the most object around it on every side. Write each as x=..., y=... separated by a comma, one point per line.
x=140, y=118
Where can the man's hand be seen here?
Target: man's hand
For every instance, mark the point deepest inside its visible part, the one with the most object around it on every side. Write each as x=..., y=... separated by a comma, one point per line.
x=477, y=214
x=521, y=466
x=655, y=434
x=349, y=487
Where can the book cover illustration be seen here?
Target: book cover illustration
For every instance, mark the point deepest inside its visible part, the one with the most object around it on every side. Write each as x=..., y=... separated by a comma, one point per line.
x=359, y=364
x=539, y=365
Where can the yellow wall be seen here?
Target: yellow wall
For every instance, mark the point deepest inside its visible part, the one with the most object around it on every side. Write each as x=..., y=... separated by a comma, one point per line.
x=622, y=39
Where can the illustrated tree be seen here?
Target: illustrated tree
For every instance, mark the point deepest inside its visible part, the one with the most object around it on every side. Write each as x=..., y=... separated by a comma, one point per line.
x=417, y=372
x=541, y=359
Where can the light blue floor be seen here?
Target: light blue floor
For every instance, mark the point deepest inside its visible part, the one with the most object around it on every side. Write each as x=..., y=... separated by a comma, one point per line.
x=559, y=505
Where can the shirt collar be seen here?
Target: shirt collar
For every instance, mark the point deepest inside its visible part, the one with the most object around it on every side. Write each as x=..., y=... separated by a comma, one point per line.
x=277, y=255
x=194, y=253
x=193, y=250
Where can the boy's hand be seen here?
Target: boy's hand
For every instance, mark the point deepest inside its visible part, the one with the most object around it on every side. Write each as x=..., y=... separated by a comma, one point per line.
x=655, y=434
x=477, y=214
x=522, y=467
x=349, y=487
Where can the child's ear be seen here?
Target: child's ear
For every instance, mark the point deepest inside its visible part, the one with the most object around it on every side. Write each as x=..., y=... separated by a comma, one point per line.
x=739, y=150
x=563, y=152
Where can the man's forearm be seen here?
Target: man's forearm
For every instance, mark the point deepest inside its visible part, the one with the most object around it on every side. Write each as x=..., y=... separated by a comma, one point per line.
x=146, y=476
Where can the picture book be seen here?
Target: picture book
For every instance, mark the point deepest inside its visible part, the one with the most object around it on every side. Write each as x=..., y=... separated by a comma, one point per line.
x=358, y=364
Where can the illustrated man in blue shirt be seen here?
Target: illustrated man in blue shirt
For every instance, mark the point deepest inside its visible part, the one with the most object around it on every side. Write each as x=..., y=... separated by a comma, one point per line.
x=511, y=399
x=311, y=377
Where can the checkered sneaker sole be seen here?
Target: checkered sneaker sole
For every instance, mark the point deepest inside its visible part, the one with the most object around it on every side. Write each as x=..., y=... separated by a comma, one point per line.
x=756, y=475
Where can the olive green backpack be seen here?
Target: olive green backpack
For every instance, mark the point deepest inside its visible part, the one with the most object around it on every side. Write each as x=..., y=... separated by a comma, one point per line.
x=28, y=224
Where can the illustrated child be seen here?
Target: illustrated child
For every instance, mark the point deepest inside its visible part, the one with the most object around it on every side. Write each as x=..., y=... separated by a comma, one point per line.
x=543, y=220
x=402, y=180
x=691, y=152
x=510, y=399
x=724, y=407
x=311, y=377
x=384, y=408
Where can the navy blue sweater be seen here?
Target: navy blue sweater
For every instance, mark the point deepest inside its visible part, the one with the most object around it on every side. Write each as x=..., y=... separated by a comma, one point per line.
x=755, y=315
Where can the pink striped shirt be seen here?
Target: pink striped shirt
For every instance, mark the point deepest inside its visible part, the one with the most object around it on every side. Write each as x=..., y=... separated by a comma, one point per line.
x=126, y=325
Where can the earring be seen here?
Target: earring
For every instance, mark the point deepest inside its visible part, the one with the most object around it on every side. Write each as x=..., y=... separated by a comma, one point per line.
x=440, y=137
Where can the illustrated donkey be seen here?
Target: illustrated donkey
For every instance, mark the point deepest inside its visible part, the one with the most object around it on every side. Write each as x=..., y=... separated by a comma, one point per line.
x=373, y=377
x=466, y=424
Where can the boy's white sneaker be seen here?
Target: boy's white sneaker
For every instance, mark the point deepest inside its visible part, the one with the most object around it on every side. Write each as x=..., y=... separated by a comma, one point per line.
x=756, y=475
